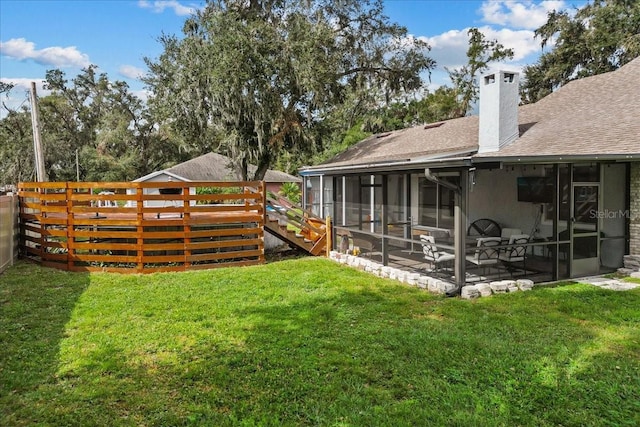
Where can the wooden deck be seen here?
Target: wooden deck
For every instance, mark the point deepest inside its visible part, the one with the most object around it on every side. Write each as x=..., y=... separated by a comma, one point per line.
x=142, y=227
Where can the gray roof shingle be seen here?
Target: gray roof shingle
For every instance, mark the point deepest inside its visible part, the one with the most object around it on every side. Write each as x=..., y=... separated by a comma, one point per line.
x=216, y=167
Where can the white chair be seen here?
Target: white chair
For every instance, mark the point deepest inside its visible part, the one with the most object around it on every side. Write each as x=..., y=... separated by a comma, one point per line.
x=432, y=254
x=515, y=252
x=486, y=253
x=508, y=232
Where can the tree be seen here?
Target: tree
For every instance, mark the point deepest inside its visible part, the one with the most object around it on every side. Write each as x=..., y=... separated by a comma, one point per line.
x=600, y=37
x=110, y=128
x=112, y=131
x=16, y=149
x=254, y=79
x=480, y=53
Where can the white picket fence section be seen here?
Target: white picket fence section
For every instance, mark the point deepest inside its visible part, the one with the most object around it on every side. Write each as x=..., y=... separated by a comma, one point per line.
x=8, y=231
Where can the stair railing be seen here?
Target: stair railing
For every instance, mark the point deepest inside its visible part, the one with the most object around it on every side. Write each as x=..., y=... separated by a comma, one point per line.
x=310, y=225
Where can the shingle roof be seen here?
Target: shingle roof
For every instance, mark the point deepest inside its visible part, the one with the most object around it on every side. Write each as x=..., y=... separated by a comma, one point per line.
x=452, y=136
x=597, y=115
x=592, y=116
x=215, y=167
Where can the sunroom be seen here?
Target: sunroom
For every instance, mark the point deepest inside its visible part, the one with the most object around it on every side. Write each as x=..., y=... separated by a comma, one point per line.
x=542, y=191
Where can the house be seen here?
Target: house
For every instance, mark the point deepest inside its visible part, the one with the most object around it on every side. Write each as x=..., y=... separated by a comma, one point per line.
x=215, y=167
x=563, y=172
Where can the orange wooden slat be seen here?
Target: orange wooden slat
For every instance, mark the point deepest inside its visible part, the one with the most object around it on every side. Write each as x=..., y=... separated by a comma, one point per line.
x=224, y=232
x=224, y=244
x=224, y=255
x=107, y=246
x=101, y=258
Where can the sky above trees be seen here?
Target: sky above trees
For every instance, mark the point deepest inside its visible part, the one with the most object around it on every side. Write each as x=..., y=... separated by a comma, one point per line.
x=36, y=36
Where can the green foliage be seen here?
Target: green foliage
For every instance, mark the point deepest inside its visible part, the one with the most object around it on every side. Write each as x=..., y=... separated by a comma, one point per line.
x=351, y=137
x=442, y=104
x=600, y=37
x=291, y=191
x=309, y=342
x=111, y=130
x=16, y=149
x=218, y=190
x=479, y=54
x=255, y=80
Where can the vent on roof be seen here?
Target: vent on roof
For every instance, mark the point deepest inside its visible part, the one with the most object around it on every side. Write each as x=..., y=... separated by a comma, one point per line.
x=433, y=125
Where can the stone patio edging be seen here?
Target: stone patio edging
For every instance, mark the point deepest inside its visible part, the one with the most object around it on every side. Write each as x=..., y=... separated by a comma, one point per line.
x=429, y=283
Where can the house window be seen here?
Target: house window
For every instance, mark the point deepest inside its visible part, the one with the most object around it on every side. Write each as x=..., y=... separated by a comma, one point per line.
x=564, y=195
x=313, y=192
x=436, y=203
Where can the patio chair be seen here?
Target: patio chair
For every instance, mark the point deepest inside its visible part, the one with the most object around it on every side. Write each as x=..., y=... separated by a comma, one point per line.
x=515, y=252
x=508, y=232
x=484, y=227
x=486, y=253
x=432, y=254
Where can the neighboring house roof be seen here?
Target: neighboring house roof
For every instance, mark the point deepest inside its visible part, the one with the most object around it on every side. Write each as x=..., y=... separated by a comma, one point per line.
x=157, y=173
x=215, y=167
x=590, y=117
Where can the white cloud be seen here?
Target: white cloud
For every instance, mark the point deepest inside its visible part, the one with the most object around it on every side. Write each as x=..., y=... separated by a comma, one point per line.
x=450, y=49
x=131, y=72
x=159, y=6
x=23, y=50
x=519, y=14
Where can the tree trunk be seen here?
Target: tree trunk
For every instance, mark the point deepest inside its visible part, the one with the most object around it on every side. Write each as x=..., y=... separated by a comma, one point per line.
x=263, y=167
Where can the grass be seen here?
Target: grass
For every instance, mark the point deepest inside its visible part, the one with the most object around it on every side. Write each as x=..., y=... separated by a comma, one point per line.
x=309, y=342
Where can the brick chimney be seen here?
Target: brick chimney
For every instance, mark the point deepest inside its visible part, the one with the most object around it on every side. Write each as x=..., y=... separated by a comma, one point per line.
x=498, y=110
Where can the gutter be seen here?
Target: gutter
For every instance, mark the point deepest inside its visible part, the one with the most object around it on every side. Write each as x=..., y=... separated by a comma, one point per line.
x=398, y=165
x=463, y=162
x=556, y=158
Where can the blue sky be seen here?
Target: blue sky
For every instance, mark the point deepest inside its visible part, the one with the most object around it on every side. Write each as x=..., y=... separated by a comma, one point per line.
x=115, y=35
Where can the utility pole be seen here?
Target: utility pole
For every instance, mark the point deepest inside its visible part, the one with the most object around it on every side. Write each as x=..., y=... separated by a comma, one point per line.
x=77, y=167
x=37, y=142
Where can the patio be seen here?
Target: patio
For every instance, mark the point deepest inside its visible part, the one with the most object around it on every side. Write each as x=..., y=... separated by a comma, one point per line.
x=408, y=255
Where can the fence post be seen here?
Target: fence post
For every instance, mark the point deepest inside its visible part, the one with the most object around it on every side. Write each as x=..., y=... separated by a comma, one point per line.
x=329, y=235
x=139, y=227
x=70, y=232
x=186, y=223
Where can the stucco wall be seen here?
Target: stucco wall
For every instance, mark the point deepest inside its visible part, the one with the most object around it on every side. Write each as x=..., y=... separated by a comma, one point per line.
x=634, y=227
x=495, y=196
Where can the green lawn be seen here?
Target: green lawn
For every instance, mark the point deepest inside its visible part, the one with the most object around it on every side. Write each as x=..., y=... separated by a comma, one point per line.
x=309, y=342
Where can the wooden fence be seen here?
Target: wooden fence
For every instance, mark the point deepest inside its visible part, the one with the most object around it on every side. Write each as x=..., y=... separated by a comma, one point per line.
x=142, y=227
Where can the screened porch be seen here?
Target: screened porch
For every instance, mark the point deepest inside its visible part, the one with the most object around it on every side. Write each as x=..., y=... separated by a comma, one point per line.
x=542, y=222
